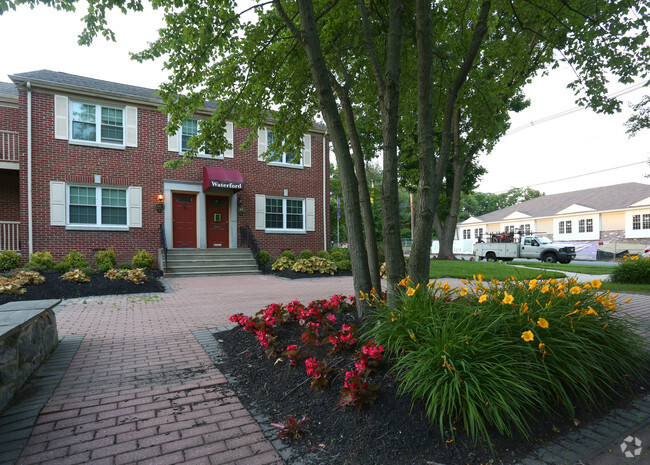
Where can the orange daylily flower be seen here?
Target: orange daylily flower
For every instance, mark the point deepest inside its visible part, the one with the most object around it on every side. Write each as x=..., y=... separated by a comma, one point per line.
x=528, y=336
x=542, y=323
x=482, y=299
x=508, y=299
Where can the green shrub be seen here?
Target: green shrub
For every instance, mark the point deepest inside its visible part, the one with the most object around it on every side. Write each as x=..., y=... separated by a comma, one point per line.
x=143, y=259
x=75, y=260
x=282, y=263
x=41, y=262
x=76, y=276
x=105, y=259
x=504, y=355
x=62, y=267
x=288, y=254
x=323, y=254
x=263, y=257
x=345, y=265
x=632, y=270
x=314, y=264
x=125, y=266
x=9, y=260
x=339, y=254
x=305, y=254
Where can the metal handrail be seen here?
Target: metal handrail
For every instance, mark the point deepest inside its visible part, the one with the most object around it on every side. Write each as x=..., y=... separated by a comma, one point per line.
x=163, y=245
x=247, y=238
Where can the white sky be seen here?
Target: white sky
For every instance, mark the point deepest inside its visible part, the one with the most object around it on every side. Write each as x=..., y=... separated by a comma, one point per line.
x=573, y=145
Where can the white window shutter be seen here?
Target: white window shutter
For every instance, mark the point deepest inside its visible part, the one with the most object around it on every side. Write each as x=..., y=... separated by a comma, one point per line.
x=61, y=117
x=261, y=143
x=310, y=217
x=135, y=207
x=260, y=211
x=131, y=137
x=172, y=140
x=229, y=153
x=306, y=151
x=57, y=203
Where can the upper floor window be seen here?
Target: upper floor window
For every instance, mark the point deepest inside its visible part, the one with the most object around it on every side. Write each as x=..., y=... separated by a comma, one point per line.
x=288, y=158
x=191, y=128
x=96, y=123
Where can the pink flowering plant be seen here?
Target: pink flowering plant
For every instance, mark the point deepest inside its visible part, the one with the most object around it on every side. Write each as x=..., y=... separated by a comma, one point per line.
x=345, y=339
x=291, y=428
x=319, y=371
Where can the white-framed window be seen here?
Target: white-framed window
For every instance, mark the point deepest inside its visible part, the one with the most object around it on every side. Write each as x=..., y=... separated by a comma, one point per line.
x=467, y=233
x=640, y=222
x=287, y=158
x=265, y=137
x=191, y=128
x=567, y=227
x=94, y=123
x=560, y=229
x=478, y=232
x=285, y=214
x=97, y=206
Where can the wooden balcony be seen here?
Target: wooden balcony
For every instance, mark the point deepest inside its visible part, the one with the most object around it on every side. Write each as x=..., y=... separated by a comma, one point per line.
x=9, y=150
x=9, y=235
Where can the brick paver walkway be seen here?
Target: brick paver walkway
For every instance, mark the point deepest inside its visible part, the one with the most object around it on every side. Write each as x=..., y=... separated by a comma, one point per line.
x=142, y=390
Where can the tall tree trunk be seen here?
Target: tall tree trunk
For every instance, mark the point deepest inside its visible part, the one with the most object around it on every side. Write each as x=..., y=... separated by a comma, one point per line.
x=364, y=193
x=388, y=91
x=309, y=39
x=419, y=261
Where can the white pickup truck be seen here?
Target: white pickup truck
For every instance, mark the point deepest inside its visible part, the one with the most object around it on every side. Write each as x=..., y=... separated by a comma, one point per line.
x=533, y=246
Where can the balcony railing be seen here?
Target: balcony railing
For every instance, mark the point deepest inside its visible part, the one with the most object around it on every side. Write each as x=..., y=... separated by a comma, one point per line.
x=9, y=148
x=9, y=237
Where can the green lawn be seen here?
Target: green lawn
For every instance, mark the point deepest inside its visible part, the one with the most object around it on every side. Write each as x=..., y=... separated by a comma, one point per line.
x=501, y=271
x=621, y=287
x=586, y=269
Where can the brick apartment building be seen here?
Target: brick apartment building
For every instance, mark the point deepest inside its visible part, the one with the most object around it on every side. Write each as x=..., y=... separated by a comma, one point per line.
x=82, y=167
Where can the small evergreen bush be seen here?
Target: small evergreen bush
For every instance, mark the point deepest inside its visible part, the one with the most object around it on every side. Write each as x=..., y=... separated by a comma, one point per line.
x=9, y=260
x=125, y=266
x=323, y=254
x=282, y=263
x=263, y=257
x=345, y=265
x=143, y=259
x=337, y=255
x=288, y=254
x=75, y=260
x=105, y=259
x=305, y=254
x=41, y=262
x=632, y=269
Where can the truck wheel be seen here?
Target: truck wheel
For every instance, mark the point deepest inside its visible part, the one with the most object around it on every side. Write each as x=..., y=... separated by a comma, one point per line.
x=566, y=262
x=490, y=257
x=549, y=258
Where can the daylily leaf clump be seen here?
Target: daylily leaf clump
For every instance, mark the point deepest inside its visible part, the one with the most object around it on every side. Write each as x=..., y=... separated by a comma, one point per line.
x=498, y=355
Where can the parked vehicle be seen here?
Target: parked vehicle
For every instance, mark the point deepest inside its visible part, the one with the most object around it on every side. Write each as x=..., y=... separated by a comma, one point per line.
x=646, y=254
x=506, y=247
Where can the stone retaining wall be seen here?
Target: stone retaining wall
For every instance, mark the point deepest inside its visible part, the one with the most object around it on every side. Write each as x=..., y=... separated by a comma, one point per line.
x=27, y=336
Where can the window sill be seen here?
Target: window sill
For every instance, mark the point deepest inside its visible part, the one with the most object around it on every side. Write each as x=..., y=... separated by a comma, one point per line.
x=82, y=227
x=97, y=144
x=204, y=155
x=285, y=231
x=285, y=165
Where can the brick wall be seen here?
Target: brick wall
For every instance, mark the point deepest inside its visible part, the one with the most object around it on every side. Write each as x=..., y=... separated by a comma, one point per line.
x=9, y=199
x=57, y=160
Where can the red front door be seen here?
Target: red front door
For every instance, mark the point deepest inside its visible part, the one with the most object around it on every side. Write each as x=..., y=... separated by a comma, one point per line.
x=184, y=219
x=216, y=216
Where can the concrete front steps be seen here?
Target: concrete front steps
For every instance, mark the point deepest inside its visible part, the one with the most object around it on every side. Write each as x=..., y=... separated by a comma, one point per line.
x=185, y=263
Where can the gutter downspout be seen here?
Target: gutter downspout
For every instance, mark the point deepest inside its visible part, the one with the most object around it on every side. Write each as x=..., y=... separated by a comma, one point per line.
x=30, y=225
x=325, y=197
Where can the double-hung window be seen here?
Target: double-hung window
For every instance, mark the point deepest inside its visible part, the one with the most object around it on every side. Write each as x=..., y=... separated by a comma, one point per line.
x=191, y=128
x=288, y=158
x=96, y=123
x=467, y=233
x=285, y=214
x=561, y=227
x=97, y=206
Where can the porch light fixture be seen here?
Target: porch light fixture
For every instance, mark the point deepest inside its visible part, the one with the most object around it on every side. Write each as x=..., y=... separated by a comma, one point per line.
x=160, y=206
x=240, y=207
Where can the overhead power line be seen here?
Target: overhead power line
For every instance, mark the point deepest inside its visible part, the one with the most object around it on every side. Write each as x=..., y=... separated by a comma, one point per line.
x=561, y=114
x=580, y=175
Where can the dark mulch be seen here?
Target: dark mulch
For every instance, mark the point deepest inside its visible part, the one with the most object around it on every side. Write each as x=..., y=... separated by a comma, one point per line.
x=55, y=288
x=290, y=274
x=390, y=431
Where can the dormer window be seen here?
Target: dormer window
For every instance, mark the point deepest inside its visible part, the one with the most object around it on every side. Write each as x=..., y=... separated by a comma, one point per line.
x=96, y=123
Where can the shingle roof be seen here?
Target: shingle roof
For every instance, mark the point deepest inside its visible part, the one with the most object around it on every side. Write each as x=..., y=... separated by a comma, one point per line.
x=85, y=83
x=616, y=197
x=7, y=88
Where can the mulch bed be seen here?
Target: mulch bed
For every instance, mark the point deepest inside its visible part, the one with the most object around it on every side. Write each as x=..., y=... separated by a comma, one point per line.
x=392, y=430
x=290, y=274
x=55, y=288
